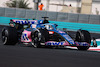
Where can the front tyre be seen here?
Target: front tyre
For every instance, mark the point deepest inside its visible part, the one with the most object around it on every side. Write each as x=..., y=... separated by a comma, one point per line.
x=83, y=36
x=39, y=37
x=36, y=37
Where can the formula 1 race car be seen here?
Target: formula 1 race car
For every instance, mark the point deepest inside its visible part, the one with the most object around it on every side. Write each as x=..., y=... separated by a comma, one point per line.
x=41, y=32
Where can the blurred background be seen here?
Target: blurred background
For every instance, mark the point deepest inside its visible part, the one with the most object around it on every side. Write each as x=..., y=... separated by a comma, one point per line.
x=69, y=6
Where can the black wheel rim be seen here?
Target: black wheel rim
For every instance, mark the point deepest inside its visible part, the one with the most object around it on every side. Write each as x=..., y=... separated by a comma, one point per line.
x=36, y=39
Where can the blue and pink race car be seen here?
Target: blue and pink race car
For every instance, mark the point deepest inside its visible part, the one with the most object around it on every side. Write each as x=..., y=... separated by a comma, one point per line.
x=41, y=32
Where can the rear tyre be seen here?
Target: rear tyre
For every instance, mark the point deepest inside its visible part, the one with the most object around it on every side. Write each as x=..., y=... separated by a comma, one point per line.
x=9, y=36
x=83, y=36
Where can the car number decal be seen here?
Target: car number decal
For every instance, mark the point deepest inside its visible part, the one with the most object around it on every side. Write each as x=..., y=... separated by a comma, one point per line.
x=24, y=37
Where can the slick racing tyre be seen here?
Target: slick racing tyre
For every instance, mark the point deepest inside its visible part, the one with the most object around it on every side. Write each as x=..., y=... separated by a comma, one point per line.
x=38, y=37
x=83, y=36
x=9, y=36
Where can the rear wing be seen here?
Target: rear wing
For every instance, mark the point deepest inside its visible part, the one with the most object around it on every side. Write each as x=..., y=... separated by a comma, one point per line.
x=26, y=21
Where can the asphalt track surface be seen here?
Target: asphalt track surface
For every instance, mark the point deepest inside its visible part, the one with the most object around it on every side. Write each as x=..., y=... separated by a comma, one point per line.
x=18, y=56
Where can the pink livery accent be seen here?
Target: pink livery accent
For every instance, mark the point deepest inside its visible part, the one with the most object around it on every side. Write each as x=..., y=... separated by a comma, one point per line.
x=61, y=32
x=26, y=36
x=66, y=44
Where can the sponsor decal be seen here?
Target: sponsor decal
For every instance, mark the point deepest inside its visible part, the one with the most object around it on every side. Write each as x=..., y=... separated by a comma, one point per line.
x=24, y=22
x=24, y=37
x=83, y=43
x=51, y=32
x=55, y=43
x=29, y=21
x=33, y=25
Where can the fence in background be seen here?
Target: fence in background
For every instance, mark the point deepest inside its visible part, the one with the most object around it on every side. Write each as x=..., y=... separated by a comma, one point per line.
x=53, y=16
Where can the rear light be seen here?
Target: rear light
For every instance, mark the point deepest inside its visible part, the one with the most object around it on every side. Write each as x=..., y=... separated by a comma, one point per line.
x=51, y=32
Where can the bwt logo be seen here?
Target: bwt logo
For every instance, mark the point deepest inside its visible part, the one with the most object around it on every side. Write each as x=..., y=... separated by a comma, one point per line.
x=55, y=43
x=25, y=21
